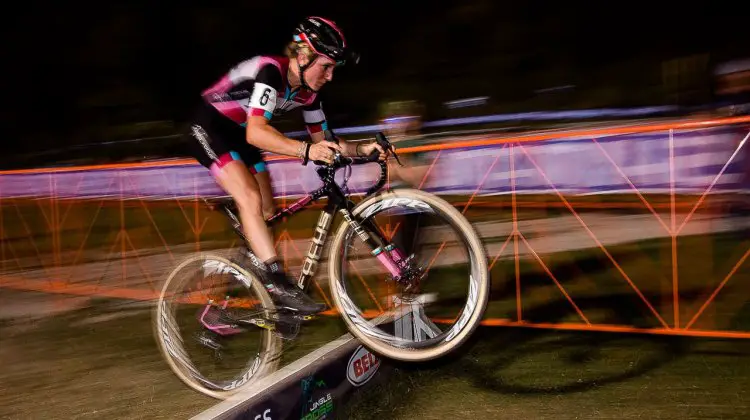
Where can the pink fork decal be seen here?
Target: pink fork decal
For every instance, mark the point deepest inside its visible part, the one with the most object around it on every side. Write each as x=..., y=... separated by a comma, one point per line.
x=383, y=257
x=396, y=254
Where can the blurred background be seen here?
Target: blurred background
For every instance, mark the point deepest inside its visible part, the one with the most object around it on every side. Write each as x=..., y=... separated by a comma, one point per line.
x=86, y=75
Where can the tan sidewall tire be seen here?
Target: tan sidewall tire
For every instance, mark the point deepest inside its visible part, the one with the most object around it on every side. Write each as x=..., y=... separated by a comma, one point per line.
x=477, y=250
x=272, y=344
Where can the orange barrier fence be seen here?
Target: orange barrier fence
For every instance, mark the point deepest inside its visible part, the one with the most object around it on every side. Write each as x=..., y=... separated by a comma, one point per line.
x=669, y=263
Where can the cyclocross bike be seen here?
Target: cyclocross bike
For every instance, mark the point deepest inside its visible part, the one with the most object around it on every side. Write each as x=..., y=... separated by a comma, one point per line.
x=401, y=332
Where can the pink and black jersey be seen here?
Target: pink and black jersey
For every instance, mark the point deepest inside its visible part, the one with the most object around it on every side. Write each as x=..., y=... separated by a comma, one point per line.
x=259, y=86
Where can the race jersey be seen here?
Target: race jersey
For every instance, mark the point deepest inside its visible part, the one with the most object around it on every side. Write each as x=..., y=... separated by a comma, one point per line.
x=259, y=86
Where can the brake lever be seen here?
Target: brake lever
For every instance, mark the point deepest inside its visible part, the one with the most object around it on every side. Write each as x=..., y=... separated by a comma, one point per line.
x=387, y=146
x=393, y=150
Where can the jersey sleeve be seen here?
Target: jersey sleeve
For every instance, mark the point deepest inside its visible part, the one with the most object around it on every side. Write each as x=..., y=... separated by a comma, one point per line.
x=267, y=84
x=315, y=118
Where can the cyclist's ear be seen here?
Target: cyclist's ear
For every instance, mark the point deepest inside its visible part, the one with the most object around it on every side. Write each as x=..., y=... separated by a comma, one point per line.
x=303, y=60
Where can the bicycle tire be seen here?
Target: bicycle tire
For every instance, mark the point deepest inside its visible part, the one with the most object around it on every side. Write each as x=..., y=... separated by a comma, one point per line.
x=478, y=259
x=271, y=346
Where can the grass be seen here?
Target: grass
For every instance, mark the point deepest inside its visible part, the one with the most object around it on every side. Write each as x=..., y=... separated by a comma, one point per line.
x=525, y=374
x=101, y=361
x=66, y=367
x=62, y=366
x=602, y=292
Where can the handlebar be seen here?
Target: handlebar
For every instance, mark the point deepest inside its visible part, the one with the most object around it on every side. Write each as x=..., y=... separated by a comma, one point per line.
x=326, y=170
x=380, y=138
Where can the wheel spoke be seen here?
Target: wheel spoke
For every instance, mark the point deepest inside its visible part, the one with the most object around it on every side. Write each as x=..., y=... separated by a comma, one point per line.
x=406, y=331
x=192, y=341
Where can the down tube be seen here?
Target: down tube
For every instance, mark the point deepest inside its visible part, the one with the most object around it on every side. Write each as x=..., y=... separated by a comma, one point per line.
x=292, y=209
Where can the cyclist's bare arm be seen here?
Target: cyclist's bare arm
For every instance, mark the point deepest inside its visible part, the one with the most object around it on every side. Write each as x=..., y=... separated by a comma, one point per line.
x=265, y=137
x=347, y=148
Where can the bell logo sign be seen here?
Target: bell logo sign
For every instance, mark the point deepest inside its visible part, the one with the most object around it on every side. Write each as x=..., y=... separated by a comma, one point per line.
x=362, y=366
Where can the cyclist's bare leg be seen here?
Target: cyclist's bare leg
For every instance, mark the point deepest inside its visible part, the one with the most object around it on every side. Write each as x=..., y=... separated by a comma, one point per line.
x=236, y=179
x=266, y=194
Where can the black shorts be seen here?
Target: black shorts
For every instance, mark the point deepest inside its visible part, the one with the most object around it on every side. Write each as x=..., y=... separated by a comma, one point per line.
x=214, y=140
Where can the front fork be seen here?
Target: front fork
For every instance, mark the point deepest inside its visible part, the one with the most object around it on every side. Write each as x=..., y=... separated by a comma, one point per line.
x=386, y=252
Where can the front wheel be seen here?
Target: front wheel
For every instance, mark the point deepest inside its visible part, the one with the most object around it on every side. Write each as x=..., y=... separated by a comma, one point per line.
x=399, y=326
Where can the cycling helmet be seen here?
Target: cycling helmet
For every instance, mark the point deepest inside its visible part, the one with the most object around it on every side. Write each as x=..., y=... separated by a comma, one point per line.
x=324, y=37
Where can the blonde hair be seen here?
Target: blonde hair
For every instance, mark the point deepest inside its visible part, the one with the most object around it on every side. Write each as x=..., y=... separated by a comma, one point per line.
x=297, y=48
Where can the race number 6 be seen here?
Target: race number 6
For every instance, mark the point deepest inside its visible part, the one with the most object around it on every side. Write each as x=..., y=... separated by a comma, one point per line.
x=265, y=96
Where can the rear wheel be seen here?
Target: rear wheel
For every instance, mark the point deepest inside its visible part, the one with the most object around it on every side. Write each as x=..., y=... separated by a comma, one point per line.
x=210, y=326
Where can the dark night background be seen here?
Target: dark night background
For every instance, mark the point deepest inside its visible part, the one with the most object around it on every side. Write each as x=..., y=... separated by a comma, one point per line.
x=88, y=72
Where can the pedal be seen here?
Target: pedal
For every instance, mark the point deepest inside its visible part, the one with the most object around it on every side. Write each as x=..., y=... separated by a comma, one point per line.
x=288, y=323
x=285, y=326
x=286, y=312
x=296, y=317
x=258, y=322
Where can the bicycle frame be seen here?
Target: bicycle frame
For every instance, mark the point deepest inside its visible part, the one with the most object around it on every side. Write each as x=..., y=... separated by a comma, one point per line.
x=337, y=201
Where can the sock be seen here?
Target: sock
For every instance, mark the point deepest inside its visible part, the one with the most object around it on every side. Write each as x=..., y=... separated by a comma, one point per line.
x=273, y=265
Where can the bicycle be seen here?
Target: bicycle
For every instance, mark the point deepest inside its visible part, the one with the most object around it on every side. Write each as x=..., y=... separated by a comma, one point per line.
x=412, y=336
